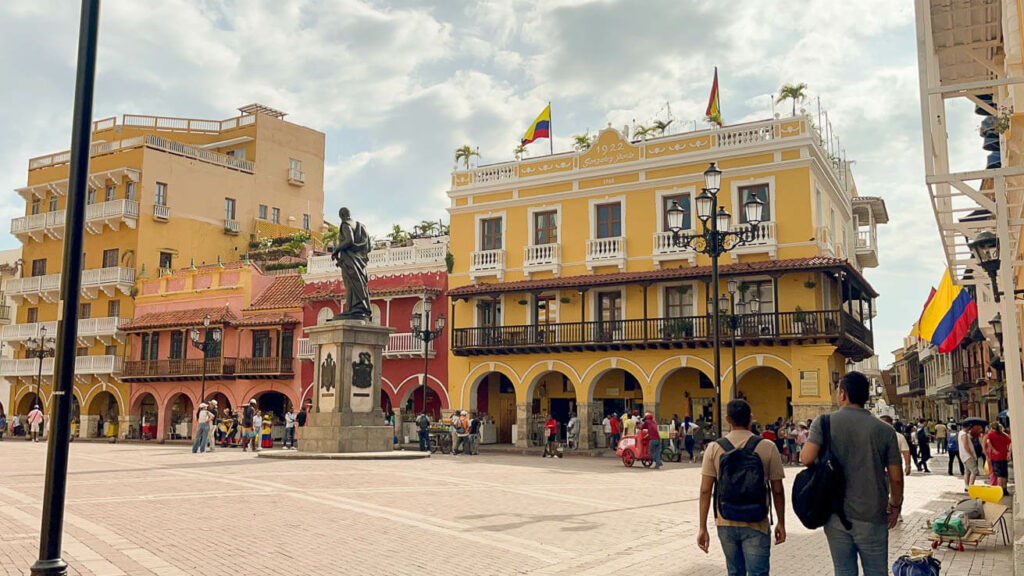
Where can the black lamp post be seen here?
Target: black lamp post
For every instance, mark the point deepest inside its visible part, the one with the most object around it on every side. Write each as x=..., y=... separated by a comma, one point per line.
x=40, y=348
x=985, y=248
x=728, y=307
x=420, y=324
x=210, y=337
x=714, y=240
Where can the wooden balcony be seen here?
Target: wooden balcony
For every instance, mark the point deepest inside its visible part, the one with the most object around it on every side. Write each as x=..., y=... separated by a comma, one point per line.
x=268, y=367
x=177, y=369
x=836, y=327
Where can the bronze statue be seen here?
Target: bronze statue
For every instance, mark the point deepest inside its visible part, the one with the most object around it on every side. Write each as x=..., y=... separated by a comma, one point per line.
x=351, y=254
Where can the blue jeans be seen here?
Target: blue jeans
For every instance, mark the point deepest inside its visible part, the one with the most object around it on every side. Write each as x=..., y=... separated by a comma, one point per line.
x=747, y=551
x=289, y=437
x=202, y=434
x=615, y=441
x=869, y=540
x=424, y=441
x=655, y=450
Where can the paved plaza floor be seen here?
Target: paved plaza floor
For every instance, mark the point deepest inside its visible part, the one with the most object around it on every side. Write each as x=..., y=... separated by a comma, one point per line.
x=159, y=510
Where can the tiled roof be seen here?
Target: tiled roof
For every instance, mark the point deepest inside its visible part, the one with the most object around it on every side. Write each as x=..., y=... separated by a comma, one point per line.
x=816, y=263
x=284, y=292
x=327, y=291
x=266, y=319
x=181, y=318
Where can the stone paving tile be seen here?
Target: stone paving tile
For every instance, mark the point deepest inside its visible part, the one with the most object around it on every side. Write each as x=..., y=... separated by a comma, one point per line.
x=159, y=510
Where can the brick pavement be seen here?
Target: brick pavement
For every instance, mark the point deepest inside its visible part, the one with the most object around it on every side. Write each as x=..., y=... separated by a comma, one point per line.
x=159, y=510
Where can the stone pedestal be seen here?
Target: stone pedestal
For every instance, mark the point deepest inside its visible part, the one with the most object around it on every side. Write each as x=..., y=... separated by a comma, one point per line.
x=126, y=423
x=522, y=439
x=87, y=426
x=346, y=414
x=586, y=412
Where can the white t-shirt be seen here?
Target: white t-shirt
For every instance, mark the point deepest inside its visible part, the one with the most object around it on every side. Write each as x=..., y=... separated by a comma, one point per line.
x=289, y=420
x=204, y=417
x=902, y=441
x=607, y=423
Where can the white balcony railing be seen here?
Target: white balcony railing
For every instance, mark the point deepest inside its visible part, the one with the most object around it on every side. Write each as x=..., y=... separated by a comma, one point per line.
x=22, y=332
x=385, y=261
x=107, y=280
x=47, y=287
x=111, y=214
x=102, y=328
x=304, y=349
x=487, y=263
x=296, y=176
x=161, y=212
x=406, y=345
x=542, y=257
x=35, y=225
x=606, y=251
x=231, y=226
x=763, y=239
x=29, y=367
x=865, y=240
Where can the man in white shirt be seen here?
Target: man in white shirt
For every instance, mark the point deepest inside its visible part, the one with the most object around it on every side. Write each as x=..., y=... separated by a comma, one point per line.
x=968, y=454
x=607, y=425
x=573, y=432
x=289, y=429
x=904, y=447
x=202, y=430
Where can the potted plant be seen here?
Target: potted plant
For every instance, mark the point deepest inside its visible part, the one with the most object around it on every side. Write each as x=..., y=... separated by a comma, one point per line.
x=565, y=300
x=810, y=284
x=798, y=320
x=743, y=288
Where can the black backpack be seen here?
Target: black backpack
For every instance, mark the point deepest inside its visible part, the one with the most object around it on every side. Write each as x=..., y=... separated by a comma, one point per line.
x=819, y=490
x=741, y=491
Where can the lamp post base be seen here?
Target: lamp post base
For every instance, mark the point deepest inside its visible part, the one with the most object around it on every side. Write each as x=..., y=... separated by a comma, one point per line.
x=52, y=567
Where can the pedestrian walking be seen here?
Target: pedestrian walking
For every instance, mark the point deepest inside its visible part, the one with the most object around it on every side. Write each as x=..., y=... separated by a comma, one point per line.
x=606, y=425
x=289, y=429
x=616, y=427
x=3, y=425
x=903, y=446
x=202, y=434
x=460, y=423
x=910, y=433
x=997, y=447
x=572, y=432
x=924, y=450
x=474, y=434
x=967, y=438
x=801, y=439
x=675, y=427
x=689, y=440
x=940, y=437
x=868, y=454
x=35, y=422
x=423, y=431
x=653, y=439
x=249, y=423
x=16, y=427
x=211, y=438
x=551, y=436
x=737, y=473
x=953, y=449
x=629, y=425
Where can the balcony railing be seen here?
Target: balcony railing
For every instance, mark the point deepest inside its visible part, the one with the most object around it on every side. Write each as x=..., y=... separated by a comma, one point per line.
x=304, y=349
x=107, y=280
x=541, y=257
x=430, y=256
x=606, y=252
x=231, y=226
x=296, y=176
x=852, y=338
x=406, y=345
x=178, y=368
x=36, y=225
x=487, y=263
x=665, y=249
x=29, y=367
x=263, y=366
x=34, y=287
x=969, y=376
x=763, y=241
x=111, y=214
x=161, y=212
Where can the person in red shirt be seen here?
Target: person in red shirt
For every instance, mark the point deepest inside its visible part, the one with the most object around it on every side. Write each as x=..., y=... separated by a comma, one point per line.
x=997, y=448
x=616, y=431
x=551, y=431
x=653, y=438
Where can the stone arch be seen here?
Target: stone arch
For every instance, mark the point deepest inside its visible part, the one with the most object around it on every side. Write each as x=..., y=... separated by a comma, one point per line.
x=261, y=387
x=147, y=407
x=478, y=372
x=670, y=365
x=435, y=385
x=593, y=374
x=746, y=364
x=324, y=314
x=177, y=413
x=686, y=391
x=101, y=414
x=412, y=392
x=24, y=401
x=494, y=393
x=97, y=391
x=533, y=375
x=769, y=392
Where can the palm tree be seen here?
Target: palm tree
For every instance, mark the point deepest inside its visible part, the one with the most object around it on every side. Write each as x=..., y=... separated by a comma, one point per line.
x=794, y=92
x=714, y=119
x=642, y=131
x=464, y=154
x=661, y=125
x=581, y=142
x=427, y=227
x=520, y=151
x=398, y=236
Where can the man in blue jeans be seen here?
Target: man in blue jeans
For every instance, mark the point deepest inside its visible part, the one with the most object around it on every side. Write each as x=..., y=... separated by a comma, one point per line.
x=869, y=455
x=746, y=544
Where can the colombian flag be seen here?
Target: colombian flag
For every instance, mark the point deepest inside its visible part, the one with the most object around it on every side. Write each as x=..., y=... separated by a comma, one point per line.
x=714, y=107
x=948, y=317
x=541, y=127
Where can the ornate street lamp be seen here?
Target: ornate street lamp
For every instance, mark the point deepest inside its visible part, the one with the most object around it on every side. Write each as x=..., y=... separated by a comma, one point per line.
x=420, y=324
x=211, y=336
x=985, y=248
x=40, y=348
x=715, y=239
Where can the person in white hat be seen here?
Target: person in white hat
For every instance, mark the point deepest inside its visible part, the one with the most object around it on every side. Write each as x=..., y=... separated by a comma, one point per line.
x=203, y=430
x=248, y=423
x=211, y=439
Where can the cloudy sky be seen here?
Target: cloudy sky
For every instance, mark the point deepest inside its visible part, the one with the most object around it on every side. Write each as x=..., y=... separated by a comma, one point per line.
x=397, y=86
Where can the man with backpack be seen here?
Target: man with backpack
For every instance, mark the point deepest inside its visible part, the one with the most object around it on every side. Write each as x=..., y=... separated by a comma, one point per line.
x=423, y=430
x=460, y=422
x=738, y=473
x=868, y=458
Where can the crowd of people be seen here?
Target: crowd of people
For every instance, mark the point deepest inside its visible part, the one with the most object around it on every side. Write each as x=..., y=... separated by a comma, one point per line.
x=251, y=429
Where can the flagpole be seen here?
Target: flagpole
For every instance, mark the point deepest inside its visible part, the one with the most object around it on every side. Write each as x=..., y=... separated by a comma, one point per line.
x=551, y=131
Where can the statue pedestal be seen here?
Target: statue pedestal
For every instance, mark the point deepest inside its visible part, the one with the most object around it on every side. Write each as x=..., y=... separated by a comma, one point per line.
x=346, y=415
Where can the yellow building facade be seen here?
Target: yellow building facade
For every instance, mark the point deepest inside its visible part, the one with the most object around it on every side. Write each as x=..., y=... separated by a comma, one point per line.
x=164, y=193
x=569, y=295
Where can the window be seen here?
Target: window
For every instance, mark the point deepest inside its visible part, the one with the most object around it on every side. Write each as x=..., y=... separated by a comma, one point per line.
x=545, y=228
x=765, y=292
x=154, y=346
x=111, y=194
x=110, y=258
x=679, y=301
x=547, y=310
x=165, y=260
x=32, y=315
x=35, y=206
x=213, y=350
x=85, y=310
x=82, y=351
x=609, y=220
x=263, y=212
x=684, y=203
x=229, y=208
x=110, y=350
x=261, y=344
x=490, y=234
x=489, y=313
x=324, y=315
x=113, y=308
x=748, y=193
x=832, y=221
x=53, y=203
x=144, y=348
x=275, y=215
x=160, y=198
x=90, y=198
x=129, y=191
x=177, y=345
x=294, y=164
x=305, y=221
x=237, y=153
x=609, y=306
x=819, y=209
x=39, y=267
x=287, y=335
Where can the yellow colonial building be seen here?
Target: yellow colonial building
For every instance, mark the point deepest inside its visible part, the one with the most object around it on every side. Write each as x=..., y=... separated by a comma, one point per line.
x=164, y=193
x=568, y=293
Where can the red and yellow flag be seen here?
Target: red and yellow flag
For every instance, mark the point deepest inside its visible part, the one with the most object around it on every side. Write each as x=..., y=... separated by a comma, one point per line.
x=714, y=110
